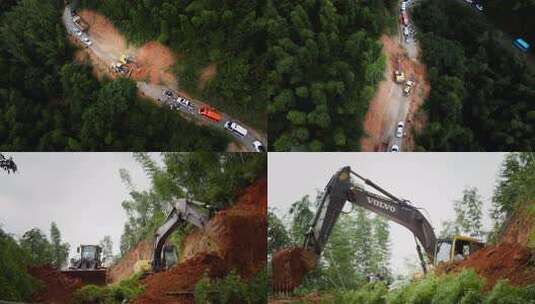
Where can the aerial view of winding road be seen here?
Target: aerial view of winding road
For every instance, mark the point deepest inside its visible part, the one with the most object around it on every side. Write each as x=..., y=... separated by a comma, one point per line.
x=248, y=138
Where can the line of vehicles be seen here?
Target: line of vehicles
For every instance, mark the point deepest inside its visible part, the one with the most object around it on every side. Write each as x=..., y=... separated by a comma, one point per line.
x=80, y=29
x=176, y=102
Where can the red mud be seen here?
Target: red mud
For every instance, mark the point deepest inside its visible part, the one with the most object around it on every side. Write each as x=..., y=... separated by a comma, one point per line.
x=290, y=266
x=511, y=259
x=503, y=261
x=234, y=239
x=125, y=267
x=58, y=288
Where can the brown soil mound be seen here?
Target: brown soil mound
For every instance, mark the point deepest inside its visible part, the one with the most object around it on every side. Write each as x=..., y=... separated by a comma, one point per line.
x=58, y=288
x=519, y=226
x=290, y=266
x=125, y=267
x=504, y=261
x=181, y=279
x=234, y=239
x=104, y=33
x=155, y=62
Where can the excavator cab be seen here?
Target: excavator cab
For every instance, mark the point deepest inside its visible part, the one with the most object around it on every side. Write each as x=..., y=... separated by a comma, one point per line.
x=456, y=248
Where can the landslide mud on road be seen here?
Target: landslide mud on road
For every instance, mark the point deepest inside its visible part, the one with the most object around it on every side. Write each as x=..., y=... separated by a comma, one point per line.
x=234, y=239
x=290, y=266
x=389, y=105
x=153, y=60
x=58, y=288
x=510, y=259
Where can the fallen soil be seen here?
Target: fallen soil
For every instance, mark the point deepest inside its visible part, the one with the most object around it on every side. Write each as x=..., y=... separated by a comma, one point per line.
x=389, y=105
x=126, y=266
x=290, y=266
x=504, y=261
x=510, y=259
x=58, y=288
x=153, y=61
x=234, y=239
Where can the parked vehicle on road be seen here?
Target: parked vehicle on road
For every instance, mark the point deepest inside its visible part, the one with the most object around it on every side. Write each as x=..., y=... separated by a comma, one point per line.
x=479, y=7
x=185, y=102
x=258, y=146
x=210, y=113
x=399, y=130
x=522, y=45
x=395, y=148
x=236, y=128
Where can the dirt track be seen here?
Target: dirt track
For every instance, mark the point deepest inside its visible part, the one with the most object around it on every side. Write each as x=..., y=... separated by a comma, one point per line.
x=389, y=105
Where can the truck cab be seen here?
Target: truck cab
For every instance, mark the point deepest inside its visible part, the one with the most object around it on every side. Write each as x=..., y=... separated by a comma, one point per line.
x=210, y=114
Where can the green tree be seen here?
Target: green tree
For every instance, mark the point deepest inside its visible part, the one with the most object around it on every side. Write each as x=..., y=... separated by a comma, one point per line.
x=278, y=236
x=60, y=251
x=35, y=243
x=107, y=249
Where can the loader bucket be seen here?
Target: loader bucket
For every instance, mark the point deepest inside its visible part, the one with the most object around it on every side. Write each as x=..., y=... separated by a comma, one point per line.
x=95, y=277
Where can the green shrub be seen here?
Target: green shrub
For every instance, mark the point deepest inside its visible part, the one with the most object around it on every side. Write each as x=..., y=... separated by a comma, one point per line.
x=453, y=288
x=504, y=293
x=125, y=290
x=372, y=293
x=232, y=289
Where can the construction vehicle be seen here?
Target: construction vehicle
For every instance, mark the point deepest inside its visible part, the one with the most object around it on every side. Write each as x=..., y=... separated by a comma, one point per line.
x=123, y=66
x=88, y=267
x=184, y=211
x=210, y=113
x=409, y=85
x=399, y=76
x=341, y=188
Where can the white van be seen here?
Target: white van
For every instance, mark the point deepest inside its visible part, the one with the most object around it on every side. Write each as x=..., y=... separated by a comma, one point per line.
x=236, y=128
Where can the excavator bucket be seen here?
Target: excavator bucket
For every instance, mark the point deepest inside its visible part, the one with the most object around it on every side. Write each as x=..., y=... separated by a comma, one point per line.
x=95, y=277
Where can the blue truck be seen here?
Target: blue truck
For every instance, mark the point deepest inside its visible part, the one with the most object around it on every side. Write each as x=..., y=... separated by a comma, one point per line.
x=522, y=45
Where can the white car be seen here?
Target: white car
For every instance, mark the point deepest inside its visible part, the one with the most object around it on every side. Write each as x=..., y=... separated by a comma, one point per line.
x=399, y=129
x=258, y=146
x=77, y=32
x=469, y=1
x=185, y=102
x=479, y=7
x=395, y=148
x=406, y=31
x=236, y=128
x=403, y=6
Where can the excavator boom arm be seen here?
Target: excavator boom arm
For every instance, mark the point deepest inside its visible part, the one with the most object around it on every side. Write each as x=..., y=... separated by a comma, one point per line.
x=341, y=189
x=184, y=211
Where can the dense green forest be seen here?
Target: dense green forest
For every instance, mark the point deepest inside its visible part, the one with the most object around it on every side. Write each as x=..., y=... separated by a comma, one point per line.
x=482, y=93
x=325, y=64
x=314, y=62
x=48, y=103
x=231, y=34
x=514, y=17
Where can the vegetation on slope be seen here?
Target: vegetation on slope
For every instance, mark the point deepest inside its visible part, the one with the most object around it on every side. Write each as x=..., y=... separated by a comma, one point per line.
x=482, y=94
x=48, y=103
x=115, y=294
x=213, y=178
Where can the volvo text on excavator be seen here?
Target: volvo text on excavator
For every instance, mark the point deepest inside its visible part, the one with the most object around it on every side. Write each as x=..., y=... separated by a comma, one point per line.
x=341, y=188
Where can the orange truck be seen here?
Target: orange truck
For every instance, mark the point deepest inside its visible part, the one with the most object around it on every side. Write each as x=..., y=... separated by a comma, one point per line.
x=210, y=113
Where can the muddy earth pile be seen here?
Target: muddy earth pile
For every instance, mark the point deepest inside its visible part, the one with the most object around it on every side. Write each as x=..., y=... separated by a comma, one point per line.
x=125, y=267
x=510, y=259
x=290, y=267
x=234, y=239
x=57, y=288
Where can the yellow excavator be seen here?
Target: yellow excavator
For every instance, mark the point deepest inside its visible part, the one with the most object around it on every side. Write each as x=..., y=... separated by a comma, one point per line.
x=341, y=189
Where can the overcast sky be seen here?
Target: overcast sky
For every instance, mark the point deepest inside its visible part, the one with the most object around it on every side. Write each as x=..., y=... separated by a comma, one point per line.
x=429, y=180
x=81, y=192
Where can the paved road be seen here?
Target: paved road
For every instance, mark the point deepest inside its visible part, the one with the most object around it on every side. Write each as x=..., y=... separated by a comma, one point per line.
x=155, y=92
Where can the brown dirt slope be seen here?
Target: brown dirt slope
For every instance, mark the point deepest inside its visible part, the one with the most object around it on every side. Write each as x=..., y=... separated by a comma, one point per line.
x=290, y=266
x=125, y=267
x=58, y=288
x=510, y=259
x=234, y=239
